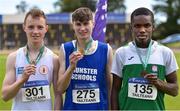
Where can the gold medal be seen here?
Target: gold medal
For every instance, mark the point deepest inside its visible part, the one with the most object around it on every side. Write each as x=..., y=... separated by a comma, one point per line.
x=33, y=62
x=81, y=50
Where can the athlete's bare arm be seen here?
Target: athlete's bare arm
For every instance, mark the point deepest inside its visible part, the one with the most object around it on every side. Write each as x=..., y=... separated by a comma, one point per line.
x=109, y=75
x=64, y=76
x=169, y=87
x=116, y=87
x=58, y=101
x=11, y=86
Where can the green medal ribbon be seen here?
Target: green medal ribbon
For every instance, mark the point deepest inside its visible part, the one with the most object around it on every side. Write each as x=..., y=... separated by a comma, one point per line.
x=88, y=45
x=146, y=59
x=41, y=50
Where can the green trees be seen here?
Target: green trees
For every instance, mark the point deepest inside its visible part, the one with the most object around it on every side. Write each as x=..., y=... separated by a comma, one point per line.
x=71, y=5
x=171, y=9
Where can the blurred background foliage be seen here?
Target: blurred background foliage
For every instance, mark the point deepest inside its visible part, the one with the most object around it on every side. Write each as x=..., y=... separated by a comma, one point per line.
x=170, y=9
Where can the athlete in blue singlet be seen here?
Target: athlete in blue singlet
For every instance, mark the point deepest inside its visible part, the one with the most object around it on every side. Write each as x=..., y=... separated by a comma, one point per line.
x=85, y=67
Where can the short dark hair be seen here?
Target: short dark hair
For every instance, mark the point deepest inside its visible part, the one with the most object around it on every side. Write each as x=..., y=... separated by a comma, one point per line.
x=35, y=12
x=142, y=11
x=82, y=14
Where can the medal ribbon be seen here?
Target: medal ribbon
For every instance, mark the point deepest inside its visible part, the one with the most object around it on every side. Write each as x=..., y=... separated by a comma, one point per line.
x=41, y=50
x=144, y=62
x=88, y=45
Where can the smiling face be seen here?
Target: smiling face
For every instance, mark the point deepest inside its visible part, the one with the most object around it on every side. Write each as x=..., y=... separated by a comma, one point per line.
x=142, y=29
x=82, y=23
x=35, y=28
x=83, y=30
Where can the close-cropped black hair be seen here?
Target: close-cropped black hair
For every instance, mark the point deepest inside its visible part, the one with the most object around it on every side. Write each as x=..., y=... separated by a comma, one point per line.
x=142, y=11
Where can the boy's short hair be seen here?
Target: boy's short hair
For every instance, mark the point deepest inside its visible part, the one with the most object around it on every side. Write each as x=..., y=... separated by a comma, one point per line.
x=142, y=11
x=35, y=12
x=82, y=14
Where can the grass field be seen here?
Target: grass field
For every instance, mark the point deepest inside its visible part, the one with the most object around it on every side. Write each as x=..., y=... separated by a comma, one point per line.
x=3, y=105
x=171, y=103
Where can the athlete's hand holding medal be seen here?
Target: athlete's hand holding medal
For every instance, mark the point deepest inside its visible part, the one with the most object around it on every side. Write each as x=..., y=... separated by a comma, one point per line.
x=75, y=57
x=29, y=70
x=152, y=78
x=79, y=52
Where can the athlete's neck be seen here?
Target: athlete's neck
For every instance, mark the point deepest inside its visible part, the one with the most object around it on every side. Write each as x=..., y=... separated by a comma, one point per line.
x=34, y=47
x=83, y=43
x=143, y=44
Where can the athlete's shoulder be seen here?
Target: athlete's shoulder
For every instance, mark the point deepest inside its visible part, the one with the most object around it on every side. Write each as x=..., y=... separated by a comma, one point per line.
x=47, y=52
x=69, y=43
x=162, y=47
x=127, y=47
x=55, y=57
x=102, y=44
x=69, y=46
x=12, y=56
x=14, y=53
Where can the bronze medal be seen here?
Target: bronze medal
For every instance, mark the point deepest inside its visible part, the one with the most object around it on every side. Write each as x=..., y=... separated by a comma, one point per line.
x=143, y=73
